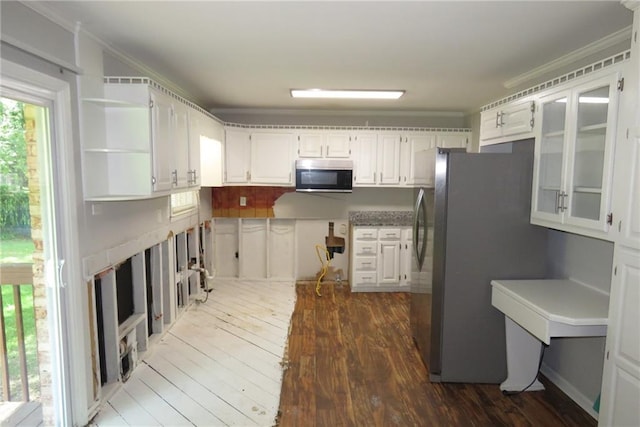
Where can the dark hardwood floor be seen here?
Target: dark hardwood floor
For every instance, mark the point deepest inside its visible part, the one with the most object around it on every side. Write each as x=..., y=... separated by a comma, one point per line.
x=352, y=362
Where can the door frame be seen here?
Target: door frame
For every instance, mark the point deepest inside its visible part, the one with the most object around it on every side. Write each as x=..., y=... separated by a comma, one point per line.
x=60, y=233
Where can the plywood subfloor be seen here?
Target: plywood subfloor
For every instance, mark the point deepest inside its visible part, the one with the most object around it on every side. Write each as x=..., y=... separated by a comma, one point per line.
x=220, y=364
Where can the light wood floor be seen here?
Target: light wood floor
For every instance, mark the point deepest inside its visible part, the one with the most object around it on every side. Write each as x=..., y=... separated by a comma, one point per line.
x=220, y=364
x=25, y=414
x=352, y=362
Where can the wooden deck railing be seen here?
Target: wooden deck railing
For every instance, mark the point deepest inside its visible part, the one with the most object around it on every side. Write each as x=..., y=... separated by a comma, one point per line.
x=15, y=276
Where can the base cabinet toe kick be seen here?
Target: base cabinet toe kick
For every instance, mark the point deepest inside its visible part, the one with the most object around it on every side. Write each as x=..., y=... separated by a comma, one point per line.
x=538, y=310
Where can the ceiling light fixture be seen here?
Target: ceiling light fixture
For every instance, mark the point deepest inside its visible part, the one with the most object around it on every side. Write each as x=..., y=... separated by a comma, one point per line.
x=346, y=94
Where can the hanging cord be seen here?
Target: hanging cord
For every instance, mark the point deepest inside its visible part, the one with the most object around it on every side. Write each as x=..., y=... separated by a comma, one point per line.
x=513, y=393
x=325, y=266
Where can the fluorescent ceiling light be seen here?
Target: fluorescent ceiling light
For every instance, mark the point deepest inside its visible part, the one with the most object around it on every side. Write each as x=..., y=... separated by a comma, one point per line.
x=346, y=94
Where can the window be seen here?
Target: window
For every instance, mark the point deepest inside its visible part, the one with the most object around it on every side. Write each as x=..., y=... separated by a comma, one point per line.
x=183, y=203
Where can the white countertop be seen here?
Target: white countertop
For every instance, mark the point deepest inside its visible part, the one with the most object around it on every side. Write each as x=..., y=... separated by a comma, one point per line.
x=551, y=308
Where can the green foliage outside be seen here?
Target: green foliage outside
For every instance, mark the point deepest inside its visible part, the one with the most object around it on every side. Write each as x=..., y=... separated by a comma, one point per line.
x=14, y=184
x=16, y=245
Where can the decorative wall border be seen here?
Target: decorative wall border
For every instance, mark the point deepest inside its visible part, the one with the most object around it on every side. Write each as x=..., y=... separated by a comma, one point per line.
x=345, y=128
x=596, y=66
x=158, y=86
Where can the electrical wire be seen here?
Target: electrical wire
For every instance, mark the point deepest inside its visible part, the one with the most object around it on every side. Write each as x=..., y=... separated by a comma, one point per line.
x=325, y=266
x=513, y=393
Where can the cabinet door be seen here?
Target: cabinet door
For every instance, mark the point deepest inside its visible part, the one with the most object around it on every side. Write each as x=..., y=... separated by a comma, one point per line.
x=389, y=159
x=406, y=246
x=253, y=248
x=338, y=146
x=490, y=125
x=517, y=119
x=162, y=129
x=549, y=161
x=282, y=249
x=621, y=373
x=417, y=173
x=272, y=158
x=180, y=146
x=311, y=145
x=452, y=140
x=237, y=154
x=589, y=167
x=198, y=127
x=365, y=159
x=389, y=262
x=225, y=247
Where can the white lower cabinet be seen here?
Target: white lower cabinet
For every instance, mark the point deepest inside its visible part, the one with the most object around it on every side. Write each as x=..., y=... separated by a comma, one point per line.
x=621, y=375
x=254, y=248
x=379, y=260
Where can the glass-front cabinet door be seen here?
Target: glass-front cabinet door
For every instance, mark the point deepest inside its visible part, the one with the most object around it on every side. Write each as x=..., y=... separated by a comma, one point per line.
x=590, y=153
x=550, y=156
x=573, y=157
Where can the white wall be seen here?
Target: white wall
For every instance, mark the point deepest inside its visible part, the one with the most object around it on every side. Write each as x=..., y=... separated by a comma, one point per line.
x=310, y=233
x=576, y=363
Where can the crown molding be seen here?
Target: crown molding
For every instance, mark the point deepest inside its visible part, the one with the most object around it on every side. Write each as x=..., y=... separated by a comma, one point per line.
x=631, y=4
x=566, y=60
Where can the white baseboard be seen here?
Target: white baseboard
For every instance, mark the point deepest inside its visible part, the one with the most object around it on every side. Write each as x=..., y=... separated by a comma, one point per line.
x=567, y=388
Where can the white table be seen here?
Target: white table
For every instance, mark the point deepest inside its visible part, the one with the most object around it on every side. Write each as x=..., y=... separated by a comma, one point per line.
x=538, y=310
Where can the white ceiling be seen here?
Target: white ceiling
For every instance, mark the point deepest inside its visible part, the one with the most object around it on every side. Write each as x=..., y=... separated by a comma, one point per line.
x=449, y=56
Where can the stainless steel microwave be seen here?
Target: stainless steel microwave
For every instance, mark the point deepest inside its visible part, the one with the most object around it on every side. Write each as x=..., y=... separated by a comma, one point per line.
x=324, y=175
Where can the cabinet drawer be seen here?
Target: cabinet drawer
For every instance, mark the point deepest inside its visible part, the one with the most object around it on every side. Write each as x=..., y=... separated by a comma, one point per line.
x=365, y=264
x=365, y=278
x=365, y=248
x=365, y=233
x=389, y=234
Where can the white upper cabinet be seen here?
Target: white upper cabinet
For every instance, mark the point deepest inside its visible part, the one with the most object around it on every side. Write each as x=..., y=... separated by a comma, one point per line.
x=411, y=170
x=365, y=159
x=452, y=139
x=162, y=134
x=258, y=157
x=181, y=172
x=380, y=158
x=389, y=159
x=139, y=145
x=510, y=122
x=237, y=156
x=326, y=144
x=272, y=158
x=574, y=156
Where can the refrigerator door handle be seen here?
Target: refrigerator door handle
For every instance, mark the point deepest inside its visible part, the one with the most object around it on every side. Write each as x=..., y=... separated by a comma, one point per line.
x=420, y=209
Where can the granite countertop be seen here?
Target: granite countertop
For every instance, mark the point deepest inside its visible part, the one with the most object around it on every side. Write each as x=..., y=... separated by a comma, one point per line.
x=381, y=218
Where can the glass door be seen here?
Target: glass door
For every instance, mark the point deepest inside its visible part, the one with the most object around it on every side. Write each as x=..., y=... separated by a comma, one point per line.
x=549, y=194
x=589, y=153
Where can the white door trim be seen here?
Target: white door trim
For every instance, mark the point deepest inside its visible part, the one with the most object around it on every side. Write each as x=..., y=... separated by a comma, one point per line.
x=58, y=202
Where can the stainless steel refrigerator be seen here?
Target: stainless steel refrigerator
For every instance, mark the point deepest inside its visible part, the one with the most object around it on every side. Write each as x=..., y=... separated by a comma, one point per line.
x=470, y=226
